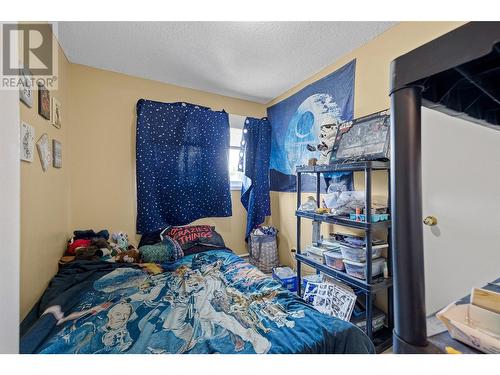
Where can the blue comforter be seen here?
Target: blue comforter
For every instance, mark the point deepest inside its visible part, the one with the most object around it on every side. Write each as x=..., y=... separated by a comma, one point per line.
x=211, y=302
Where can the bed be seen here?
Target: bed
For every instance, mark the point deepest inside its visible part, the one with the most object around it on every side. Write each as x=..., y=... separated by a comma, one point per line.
x=209, y=302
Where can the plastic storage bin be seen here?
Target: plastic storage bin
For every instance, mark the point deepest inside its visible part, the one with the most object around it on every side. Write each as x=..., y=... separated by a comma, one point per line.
x=289, y=283
x=374, y=218
x=358, y=270
x=334, y=260
x=378, y=319
x=358, y=254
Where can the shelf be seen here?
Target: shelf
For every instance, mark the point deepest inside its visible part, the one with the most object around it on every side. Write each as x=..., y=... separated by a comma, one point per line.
x=342, y=220
x=382, y=339
x=344, y=167
x=378, y=283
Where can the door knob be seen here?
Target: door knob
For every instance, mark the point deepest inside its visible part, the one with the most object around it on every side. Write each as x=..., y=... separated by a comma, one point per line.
x=430, y=221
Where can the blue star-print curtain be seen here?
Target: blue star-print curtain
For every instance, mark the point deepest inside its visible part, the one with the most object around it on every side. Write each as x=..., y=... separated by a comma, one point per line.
x=182, y=164
x=256, y=147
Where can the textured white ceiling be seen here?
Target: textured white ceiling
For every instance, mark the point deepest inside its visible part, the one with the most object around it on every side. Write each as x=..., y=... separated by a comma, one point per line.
x=256, y=61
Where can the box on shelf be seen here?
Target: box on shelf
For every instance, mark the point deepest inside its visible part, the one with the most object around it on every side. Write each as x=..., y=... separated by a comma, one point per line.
x=375, y=218
x=330, y=244
x=334, y=259
x=358, y=254
x=352, y=240
x=359, y=319
x=316, y=252
x=358, y=270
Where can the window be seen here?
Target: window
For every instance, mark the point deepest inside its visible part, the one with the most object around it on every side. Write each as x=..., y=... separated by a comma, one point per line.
x=236, y=177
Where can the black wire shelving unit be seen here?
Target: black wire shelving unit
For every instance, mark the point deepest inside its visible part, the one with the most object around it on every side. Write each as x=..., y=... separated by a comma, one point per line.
x=382, y=339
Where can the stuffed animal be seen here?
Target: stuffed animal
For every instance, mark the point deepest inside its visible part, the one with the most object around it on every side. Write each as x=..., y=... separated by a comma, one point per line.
x=115, y=249
x=129, y=256
x=121, y=239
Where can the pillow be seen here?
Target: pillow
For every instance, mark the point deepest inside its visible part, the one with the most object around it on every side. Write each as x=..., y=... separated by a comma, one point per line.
x=192, y=235
x=166, y=251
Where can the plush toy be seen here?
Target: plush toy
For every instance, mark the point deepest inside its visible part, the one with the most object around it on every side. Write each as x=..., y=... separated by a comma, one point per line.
x=115, y=249
x=129, y=256
x=121, y=239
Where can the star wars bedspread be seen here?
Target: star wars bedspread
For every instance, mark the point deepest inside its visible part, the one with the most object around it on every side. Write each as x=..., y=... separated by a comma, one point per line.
x=212, y=302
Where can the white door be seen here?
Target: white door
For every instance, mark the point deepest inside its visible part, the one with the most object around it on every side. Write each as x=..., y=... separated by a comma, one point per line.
x=461, y=188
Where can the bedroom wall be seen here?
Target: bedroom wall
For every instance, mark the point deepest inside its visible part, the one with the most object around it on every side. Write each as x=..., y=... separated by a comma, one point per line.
x=102, y=143
x=45, y=202
x=371, y=94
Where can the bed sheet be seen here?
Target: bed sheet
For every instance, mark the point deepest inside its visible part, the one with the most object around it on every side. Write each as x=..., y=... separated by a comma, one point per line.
x=211, y=302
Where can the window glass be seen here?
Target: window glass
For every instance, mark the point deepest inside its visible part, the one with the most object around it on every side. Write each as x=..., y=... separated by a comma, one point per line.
x=234, y=159
x=235, y=137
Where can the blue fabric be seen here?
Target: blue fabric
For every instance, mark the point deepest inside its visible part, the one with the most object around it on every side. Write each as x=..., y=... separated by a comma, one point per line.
x=182, y=164
x=213, y=302
x=296, y=122
x=255, y=186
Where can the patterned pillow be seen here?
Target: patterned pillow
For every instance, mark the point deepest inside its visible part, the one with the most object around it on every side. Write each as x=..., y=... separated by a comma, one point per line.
x=192, y=235
x=168, y=250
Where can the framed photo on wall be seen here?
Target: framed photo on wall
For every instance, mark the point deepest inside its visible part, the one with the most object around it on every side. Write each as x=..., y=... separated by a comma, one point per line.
x=56, y=154
x=27, y=142
x=56, y=113
x=44, y=153
x=43, y=101
x=25, y=87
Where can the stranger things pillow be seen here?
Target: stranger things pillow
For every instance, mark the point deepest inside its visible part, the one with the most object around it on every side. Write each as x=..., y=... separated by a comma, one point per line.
x=190, y=236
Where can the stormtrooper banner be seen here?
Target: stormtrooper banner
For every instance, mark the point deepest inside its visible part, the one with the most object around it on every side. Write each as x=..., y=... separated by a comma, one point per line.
x=304, y=126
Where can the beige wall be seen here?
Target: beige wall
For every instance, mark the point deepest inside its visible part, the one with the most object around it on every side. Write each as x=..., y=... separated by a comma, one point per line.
x=45, y=198
x=102, y=142
x=371, y=94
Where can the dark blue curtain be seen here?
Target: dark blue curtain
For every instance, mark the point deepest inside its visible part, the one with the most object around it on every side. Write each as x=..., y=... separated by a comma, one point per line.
x=256, y=147
x=182, y=164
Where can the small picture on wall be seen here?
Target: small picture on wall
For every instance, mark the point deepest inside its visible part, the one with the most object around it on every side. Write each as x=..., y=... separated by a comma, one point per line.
x=43, y=102
x=27, y=142
x=56, y=154
x=44, y=153
x=56, y=113
x=25, y=87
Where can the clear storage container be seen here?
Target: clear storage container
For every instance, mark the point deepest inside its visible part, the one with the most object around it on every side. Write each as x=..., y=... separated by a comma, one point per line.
x=378, y=319
x=358, y=270
x=334, y=260
x=358, y=254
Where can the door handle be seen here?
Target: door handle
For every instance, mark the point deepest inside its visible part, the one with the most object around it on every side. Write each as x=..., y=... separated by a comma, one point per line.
x=430, y=221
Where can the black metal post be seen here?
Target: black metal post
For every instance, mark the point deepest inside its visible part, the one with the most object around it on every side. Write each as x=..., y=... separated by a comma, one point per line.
x=368, y=249
x=318, y=189
x=406, y=206
x=368, y=216
x=299, y=199
x=369, y=313
x=390, y=290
